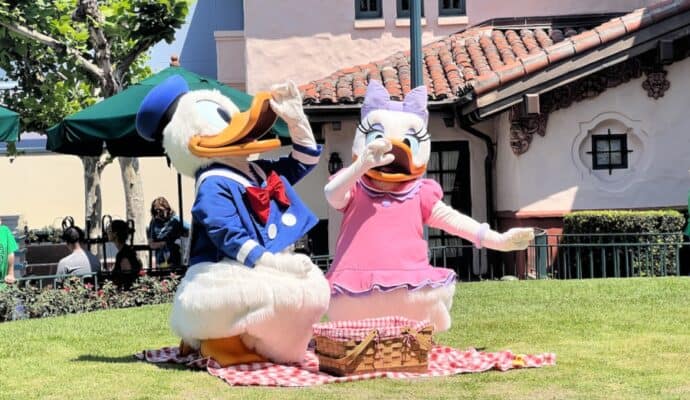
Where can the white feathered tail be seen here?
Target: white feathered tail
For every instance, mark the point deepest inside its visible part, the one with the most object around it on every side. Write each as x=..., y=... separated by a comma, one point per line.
x=273, y=311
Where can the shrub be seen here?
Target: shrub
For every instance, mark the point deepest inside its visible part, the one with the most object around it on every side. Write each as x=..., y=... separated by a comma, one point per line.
x=653, y=237
x=46, y=234
x=78, y=297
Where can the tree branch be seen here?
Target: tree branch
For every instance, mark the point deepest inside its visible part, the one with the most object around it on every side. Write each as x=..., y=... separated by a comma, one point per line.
x=88, y=9
x=123, y=66
x=31, y=34
x=103, y=161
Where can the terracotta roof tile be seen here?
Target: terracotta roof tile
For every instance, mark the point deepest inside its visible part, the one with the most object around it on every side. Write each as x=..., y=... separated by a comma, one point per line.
x=535, y=62
x=556, y=35
x=611, y=30
x=481, y=58
x=636, y=20
x=516, y=43
x=504, y=48
x=510, y=72
x=486, y=82
x=585, y=41
x=543, y=39
x=560, y=51
x=530, y=41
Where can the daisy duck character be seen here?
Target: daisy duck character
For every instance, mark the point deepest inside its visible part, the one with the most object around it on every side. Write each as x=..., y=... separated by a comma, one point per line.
x=381, y=266
x=246, y=297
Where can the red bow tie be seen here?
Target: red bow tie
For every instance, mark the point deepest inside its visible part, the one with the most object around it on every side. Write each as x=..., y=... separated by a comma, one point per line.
x=260, y=198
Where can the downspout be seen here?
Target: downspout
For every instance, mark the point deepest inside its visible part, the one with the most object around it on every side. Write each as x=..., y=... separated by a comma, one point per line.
x=488, y=166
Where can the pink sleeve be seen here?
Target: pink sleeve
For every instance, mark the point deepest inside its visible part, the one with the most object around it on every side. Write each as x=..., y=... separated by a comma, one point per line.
x=430, y=192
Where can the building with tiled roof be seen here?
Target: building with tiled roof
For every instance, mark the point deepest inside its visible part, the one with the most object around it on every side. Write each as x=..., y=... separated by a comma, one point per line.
x=532, y=118
x=484, y=57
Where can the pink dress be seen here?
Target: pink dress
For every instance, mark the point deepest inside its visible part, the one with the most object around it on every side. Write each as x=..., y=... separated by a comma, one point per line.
x=381, y=244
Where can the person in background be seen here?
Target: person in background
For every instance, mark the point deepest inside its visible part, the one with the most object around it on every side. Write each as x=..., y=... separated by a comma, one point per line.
x=81, y=261
x=127, y=265
x=164, y=233
x=7, y=248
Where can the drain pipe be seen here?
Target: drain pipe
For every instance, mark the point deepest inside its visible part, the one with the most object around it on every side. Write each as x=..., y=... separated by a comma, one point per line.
x=488, y=167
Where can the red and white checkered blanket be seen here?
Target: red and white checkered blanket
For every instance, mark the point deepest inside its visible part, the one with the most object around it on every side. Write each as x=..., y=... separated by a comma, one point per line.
x=443, y=361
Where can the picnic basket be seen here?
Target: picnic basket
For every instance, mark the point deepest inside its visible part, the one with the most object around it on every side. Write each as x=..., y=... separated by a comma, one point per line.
x=373, y=345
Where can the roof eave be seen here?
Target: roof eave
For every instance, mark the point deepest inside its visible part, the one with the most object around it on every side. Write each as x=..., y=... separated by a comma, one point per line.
x=578, y=67
x=318, y=112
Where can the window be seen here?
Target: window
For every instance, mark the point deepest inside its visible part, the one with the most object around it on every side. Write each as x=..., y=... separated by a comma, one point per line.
x=403, y=7
x=610, y=151
x=367, y=9
x=451, y=7
x=449, y=165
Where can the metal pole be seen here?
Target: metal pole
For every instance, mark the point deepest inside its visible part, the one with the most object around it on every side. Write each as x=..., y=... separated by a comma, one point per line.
x=179, y=198
x=416, y=55
x=416, y=42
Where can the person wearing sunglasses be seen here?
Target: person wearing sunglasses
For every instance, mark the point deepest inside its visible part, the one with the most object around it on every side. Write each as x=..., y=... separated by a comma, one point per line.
x=164, y=233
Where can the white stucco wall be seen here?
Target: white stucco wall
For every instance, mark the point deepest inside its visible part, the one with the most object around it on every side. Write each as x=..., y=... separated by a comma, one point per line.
x=46, y=188
x=479, y=11
x=554, y=177
x=304, y=40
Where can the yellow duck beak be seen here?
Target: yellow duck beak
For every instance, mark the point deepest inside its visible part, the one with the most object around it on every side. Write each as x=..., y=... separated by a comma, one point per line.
x=402, y=169
x=241, y=136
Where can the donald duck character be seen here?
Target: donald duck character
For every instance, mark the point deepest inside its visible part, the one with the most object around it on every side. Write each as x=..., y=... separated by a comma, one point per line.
x=246, y=297
x=381, y=265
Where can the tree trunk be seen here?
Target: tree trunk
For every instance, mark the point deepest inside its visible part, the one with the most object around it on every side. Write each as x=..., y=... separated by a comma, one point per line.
x=134, y=198
x=93, y=200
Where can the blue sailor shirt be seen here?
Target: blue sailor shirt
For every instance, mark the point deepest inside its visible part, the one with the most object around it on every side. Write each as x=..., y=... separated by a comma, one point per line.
x=223, y=223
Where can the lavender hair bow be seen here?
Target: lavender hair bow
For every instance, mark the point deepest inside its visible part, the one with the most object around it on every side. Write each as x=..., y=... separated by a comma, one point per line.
x=377, y=98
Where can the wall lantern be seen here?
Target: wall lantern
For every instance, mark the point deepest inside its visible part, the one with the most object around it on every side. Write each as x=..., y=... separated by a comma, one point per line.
x=334, y=163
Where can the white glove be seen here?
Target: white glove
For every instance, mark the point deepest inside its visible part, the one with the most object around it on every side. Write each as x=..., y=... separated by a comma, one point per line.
x=375, y=154
x=298, y=265
x=454, y=222
x=512, y=239
x=287, y=103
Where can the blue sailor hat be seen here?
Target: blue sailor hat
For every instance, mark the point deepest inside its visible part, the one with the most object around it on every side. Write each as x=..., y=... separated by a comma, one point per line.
x=158, y=106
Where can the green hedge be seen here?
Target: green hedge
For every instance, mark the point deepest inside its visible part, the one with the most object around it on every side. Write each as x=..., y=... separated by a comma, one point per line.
x=607, y=221
x=77, y=297
x=653, y=239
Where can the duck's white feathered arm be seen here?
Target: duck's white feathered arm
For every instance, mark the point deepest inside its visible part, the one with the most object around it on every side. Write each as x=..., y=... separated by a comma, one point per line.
x=339, y=188
x=454, y=222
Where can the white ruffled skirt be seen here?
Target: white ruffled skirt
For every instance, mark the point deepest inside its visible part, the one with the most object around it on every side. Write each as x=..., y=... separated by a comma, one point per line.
x=428, y=303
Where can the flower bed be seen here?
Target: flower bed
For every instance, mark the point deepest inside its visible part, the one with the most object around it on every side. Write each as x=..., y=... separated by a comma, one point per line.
x=77, y=297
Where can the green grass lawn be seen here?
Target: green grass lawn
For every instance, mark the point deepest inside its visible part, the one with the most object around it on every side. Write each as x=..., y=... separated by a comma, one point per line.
x=614, y=339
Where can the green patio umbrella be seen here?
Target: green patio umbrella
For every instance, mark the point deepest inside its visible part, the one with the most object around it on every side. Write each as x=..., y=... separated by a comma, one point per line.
x=9, y=125
x=111, y=122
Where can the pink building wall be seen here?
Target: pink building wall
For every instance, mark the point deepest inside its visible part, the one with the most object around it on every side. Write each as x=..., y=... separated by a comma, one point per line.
x=479, y=11
x=309, y=39
x=304, y=40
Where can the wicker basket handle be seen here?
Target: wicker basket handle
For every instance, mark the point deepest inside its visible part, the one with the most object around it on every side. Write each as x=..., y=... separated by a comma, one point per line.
x=350, y=358
x=423, y=340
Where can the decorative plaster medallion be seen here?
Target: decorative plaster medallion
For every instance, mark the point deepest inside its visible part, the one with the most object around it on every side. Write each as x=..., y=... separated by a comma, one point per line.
x=639, y=160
